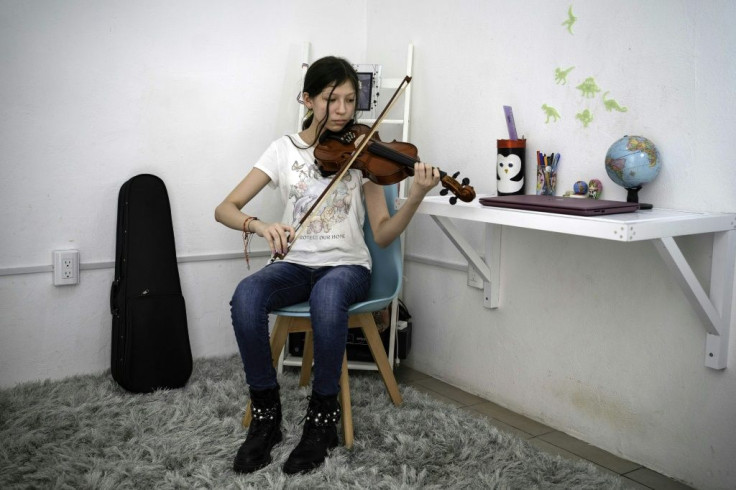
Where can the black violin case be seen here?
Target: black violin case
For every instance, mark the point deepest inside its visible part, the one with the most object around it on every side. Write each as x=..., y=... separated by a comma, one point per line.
x=150, y=340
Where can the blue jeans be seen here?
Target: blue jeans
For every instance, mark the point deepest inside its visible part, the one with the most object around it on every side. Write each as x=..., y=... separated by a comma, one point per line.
x=330, y=291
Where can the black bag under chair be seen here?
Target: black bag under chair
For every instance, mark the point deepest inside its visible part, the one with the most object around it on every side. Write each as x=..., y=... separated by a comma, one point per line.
x=150, y=340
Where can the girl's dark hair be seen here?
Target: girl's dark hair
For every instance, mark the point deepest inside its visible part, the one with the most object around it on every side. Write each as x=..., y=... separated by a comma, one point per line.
x=324, y=72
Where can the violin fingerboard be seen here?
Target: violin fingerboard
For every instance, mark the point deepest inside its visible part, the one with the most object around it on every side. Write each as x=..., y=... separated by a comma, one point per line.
x=391, y=154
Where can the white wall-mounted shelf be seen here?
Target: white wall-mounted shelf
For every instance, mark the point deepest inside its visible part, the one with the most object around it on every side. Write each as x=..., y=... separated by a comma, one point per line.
x=657, y=225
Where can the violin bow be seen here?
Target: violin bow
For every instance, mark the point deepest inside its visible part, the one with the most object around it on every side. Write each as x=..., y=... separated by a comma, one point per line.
x=338, y=177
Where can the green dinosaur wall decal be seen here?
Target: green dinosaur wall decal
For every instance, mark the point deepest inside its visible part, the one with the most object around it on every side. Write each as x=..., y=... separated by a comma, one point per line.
x=612, y=105
x=550, y=112
x=588, y=88
x=561, y=75
x=584, y=117
x=570, y=21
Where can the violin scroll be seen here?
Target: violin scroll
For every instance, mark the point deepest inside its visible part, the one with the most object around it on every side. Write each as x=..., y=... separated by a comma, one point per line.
x=461, y=190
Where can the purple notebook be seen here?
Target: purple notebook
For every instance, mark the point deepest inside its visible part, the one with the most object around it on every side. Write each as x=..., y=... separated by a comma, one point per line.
x=561, y=205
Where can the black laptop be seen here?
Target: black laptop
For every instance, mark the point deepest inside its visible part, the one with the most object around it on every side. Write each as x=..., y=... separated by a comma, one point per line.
x=561, y=205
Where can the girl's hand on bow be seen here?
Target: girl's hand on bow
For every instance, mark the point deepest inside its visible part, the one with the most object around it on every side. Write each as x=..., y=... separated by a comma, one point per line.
x=276, y=234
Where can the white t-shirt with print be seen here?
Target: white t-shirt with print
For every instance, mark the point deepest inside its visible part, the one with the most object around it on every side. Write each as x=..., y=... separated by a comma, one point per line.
x=334, y=234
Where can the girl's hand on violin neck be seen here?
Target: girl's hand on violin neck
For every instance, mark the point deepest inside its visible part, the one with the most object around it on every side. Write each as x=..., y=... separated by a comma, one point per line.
x=276, y=234
x=425, y=178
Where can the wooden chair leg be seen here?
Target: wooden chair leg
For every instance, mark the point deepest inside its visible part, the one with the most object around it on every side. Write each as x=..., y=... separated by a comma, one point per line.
x=248, y=416
x=370, y=331
x=307, y=358
x=278, y=340
x=345, y=405
x=278, y=337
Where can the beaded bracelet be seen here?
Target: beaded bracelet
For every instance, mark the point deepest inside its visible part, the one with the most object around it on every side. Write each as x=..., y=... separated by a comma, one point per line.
x=246, y=238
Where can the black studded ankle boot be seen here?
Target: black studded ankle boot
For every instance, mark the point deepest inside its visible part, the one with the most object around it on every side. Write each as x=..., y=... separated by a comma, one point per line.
x=318, y=437
x=264, y=431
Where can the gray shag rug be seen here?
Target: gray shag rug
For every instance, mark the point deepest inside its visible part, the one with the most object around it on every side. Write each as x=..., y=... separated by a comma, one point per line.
x=87, y=432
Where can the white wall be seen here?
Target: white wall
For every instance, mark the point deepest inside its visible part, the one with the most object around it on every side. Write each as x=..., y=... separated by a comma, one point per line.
x=93, y=93
x=592, y=337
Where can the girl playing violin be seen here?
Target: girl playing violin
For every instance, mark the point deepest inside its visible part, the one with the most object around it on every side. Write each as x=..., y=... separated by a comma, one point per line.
x=329, y=265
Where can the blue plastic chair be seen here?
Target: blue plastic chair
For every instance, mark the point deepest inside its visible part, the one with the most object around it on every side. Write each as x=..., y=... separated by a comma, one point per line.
x=385, y=285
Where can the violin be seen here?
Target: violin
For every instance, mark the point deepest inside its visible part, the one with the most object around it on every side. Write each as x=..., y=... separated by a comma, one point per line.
x=383, y=163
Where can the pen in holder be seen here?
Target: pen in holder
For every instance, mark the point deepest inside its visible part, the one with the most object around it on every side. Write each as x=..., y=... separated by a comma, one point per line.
x=547, y=173
x=510, y=167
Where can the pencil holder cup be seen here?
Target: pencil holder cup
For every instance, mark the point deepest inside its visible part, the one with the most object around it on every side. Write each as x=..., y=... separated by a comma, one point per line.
x=510, y=167
x=546, y=180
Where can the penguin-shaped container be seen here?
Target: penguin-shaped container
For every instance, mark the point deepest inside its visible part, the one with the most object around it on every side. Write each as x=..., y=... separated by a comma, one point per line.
x=510, y=167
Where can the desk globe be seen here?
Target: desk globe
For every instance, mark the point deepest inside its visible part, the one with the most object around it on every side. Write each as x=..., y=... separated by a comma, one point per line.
x=632, y=162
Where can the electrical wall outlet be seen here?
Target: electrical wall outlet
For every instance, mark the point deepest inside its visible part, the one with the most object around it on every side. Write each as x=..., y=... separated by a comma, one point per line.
x=66, y=267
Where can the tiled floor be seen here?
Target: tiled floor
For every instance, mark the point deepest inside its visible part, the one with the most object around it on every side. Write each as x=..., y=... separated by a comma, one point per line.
x=633, y=475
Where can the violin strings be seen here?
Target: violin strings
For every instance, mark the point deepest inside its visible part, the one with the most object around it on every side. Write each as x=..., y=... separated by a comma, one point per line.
x=338, y=177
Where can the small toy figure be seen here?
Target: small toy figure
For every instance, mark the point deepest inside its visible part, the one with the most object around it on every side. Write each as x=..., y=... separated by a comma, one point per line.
x=580, y=187
x=594, y=189
x=569, y=193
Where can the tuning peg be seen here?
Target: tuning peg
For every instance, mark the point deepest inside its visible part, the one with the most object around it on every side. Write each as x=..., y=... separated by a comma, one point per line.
x=466, y=181
x=453, y=200
x=443, y=192
x=454, y=176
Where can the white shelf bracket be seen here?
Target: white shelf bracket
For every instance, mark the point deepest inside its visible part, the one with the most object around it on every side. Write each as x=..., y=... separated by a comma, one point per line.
x=714, y=309
x=492, y=288
x=490, y=274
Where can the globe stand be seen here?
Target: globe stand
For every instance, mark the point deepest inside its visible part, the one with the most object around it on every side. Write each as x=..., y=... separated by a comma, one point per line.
x=633, y=196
